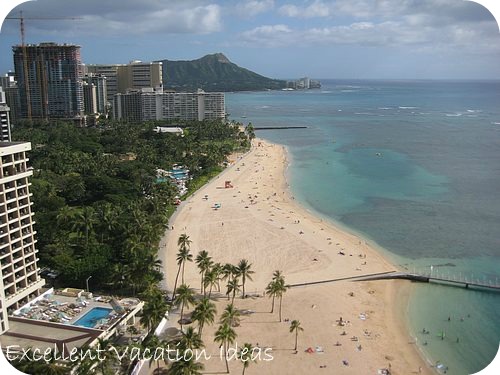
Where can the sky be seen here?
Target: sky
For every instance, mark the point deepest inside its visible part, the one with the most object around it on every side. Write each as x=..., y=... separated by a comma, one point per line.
x=345, y=39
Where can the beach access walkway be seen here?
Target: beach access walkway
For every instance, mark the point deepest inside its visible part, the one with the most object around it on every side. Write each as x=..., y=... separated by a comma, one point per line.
x=392, y=275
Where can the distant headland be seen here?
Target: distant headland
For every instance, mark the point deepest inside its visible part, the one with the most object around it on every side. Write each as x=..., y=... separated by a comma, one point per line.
x=215, y=72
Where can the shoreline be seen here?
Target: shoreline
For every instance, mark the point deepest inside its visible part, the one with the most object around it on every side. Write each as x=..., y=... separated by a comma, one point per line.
x=300, y=254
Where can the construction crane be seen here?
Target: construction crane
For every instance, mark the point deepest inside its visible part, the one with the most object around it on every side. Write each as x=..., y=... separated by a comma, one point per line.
x=21, y=19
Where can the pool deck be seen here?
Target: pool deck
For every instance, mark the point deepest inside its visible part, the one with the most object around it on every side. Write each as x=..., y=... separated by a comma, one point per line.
x=62, y=309
x=47, y=322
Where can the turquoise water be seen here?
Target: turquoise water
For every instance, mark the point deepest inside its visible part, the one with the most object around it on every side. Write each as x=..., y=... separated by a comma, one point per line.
x=91, y=318
x=415, y=167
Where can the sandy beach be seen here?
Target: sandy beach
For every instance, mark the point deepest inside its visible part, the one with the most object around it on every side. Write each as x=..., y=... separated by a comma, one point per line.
x=259, y=220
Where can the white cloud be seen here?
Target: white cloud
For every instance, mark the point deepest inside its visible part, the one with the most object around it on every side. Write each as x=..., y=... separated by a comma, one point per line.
x=129, y=17
x=392, y=33
x=268, y=35
x=317, y=9
x=254, y=7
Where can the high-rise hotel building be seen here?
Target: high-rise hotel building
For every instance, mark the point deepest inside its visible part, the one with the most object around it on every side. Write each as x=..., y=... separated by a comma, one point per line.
x=20, y=281
x=150, y=104
x=49, y=80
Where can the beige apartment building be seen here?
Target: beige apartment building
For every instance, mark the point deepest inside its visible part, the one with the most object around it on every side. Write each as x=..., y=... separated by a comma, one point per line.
x=123, y=77
x=20, y=281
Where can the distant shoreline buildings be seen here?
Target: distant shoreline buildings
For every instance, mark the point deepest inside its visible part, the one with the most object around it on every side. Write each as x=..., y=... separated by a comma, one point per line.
x=51, y=82
x=303, y=84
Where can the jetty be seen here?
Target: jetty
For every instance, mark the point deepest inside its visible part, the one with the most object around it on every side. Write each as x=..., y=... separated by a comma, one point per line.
x=423, y=278
x=279, y=127
x=463, y=282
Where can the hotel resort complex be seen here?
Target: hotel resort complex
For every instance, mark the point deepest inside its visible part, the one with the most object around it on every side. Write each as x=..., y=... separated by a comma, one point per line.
x=34, y=316
x=20, y=279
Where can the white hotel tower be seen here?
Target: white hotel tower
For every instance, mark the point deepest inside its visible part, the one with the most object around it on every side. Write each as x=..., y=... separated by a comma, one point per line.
x=20, y=281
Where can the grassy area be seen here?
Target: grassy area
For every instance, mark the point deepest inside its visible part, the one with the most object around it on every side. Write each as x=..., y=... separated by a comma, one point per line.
x=198, y=182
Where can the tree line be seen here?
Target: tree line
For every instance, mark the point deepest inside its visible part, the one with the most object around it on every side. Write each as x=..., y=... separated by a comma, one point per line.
x=99, y=209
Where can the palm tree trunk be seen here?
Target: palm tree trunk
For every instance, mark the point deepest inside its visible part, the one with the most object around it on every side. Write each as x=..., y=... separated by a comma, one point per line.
x=201, y=284
x=281, y=298
x=183, y=264
x=243, y=282
x=272, y=308
x=182, y=312
x=175, y=284
x=296, y=338
x=234, y=295
x=225, y=357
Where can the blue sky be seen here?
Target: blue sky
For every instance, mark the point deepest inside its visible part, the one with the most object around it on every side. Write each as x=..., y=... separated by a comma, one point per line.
x=400, y=39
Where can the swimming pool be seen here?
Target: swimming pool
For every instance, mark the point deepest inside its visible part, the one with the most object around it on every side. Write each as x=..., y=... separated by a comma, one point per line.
x=91, y=318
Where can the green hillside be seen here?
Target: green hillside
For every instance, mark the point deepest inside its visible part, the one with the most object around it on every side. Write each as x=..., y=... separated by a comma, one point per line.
x=214, y=73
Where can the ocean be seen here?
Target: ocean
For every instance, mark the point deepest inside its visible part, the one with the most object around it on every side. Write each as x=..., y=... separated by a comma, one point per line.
x=413, y=166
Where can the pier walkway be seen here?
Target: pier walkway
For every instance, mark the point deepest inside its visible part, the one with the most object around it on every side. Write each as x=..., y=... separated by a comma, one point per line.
x=392, y=275
x=452, y=281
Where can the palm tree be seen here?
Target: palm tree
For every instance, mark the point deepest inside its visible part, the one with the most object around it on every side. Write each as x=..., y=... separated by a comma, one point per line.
x=272, y=288
x=224, y=336
x=185, y=298
x=85, y=219
x=250, y=130
x=154, y=309
x=244, y=270
x=233, y=286
x=228, y=271
x=204, y=312
x=217, y=268
x=182, y=256
x=271, y=291
x=204, y=262
x=230, y=316
x=278, y=275
x=186, y=367
x=245, y=355
x=191, y=340
x=281, y=289
x=295, y=326
x=184, y=243
x=211, y=279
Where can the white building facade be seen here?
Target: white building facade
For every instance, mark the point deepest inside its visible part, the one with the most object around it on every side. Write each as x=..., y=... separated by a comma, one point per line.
x=4, y=118
x=20, y=281
x=150, y=104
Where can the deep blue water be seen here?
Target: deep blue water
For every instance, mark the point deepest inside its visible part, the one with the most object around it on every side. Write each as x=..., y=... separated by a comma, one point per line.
x=415, y=167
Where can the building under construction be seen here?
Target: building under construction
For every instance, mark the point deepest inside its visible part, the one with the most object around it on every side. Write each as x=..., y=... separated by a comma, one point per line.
x=49, y=80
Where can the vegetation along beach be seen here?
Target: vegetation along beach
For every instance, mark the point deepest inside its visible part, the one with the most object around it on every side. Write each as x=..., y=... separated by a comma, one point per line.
x=253, y=186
